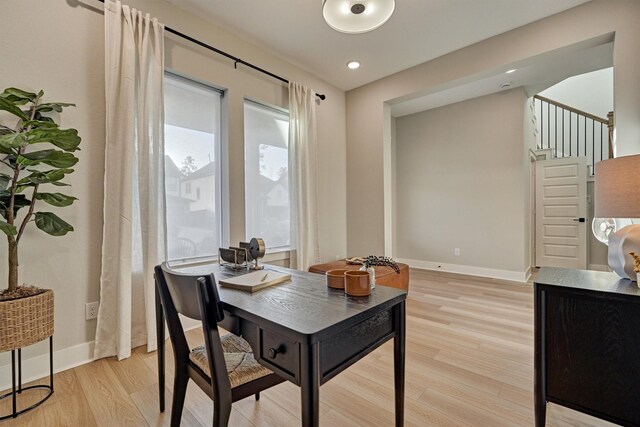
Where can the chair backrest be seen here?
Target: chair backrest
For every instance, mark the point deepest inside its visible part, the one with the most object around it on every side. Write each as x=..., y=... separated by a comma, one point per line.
x=179, y=295
x=210, y=310
x=184, y=294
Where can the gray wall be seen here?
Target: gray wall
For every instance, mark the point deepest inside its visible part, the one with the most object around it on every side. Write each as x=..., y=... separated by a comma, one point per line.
x=460, y=184
x=365, y=105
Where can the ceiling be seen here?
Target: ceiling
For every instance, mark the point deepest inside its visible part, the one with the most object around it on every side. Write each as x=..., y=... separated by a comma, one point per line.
x=533, y=74
x=418, y=31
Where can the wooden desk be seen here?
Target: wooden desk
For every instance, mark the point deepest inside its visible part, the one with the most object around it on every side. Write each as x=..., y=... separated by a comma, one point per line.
x=308, y=333
x=587, y=344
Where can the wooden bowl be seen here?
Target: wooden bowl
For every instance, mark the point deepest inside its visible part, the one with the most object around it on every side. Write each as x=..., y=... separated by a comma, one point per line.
x=357, y=283
x=335, y=278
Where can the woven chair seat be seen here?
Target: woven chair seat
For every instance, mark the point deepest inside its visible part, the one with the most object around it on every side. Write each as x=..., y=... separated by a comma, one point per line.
x=242, y=367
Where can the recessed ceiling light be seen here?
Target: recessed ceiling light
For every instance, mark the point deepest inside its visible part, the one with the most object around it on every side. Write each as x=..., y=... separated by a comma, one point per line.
x=510, y=71
x=353, y=65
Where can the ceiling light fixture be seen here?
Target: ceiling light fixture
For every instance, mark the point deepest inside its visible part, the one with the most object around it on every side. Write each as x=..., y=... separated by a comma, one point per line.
x=510, y=71
x=353, y=65
x=357, y=16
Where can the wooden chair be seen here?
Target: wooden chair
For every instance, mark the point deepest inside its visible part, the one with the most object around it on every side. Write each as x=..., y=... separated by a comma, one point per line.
x=236, y=374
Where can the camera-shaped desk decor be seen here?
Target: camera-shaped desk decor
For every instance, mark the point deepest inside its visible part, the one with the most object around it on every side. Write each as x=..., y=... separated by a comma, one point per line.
x=245, y=255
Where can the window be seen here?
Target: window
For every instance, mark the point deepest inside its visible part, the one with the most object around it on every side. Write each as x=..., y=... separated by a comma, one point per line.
x=266, y=158
x=192, y=153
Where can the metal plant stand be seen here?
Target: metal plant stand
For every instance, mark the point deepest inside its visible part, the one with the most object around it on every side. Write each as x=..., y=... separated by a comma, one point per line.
x=18, y=389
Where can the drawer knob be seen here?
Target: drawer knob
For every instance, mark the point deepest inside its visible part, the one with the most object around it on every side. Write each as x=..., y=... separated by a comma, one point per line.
x=273, y=352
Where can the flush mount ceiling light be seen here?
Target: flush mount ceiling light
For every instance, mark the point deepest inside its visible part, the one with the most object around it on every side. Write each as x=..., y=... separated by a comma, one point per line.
x=353, y=65
x=357, y=16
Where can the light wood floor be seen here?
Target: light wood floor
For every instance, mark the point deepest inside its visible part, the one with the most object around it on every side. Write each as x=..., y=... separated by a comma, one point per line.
x=469, y=363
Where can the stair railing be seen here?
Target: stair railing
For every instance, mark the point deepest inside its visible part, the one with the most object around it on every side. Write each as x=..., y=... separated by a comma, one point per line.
x=572, y=132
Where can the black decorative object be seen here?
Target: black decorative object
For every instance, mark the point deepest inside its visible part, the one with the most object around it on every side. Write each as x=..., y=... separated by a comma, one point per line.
x=380, y=261
x=243, y=256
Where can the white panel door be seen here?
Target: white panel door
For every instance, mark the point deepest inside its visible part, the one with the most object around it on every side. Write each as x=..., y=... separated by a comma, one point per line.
x=561, y=213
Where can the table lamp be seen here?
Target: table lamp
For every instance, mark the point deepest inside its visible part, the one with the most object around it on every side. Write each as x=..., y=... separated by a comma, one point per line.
x=617, y=195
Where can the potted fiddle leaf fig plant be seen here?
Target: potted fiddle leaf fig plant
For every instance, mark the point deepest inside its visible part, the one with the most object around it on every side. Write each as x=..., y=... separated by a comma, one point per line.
x=35, y=156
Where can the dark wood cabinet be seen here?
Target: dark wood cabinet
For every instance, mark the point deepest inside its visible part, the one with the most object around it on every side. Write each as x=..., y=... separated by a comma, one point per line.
x=587, y=344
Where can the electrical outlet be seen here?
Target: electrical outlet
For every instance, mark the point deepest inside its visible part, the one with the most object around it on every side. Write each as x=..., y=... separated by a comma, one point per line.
x=91, y=310
x=456, y=251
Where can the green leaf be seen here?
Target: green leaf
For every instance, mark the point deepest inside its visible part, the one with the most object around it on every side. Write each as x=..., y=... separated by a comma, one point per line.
x=52, y=224
x=56, y=199
x=48, y=177
x=8, y=229
x=55, y=158
x=40, y=124
x=16, y=95
x=4, y=181
x=12, y=140
x=19, y=202
x=19, y=93
x=21, y=188
x=66, y=139
x=53, y=106
x=10, y=107
x=42, y=118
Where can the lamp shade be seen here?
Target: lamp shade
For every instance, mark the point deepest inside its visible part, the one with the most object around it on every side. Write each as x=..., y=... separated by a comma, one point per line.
x=617, y=188
x=357, y=16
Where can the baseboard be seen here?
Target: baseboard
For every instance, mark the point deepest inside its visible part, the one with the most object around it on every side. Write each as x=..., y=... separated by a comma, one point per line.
x=599, y=267
x=38, y=367
x=514, y=276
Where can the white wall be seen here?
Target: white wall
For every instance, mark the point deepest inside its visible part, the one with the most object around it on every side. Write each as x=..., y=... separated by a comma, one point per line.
x=459, y=184
x=366, y=105
x=590, y=92
x=61, y=50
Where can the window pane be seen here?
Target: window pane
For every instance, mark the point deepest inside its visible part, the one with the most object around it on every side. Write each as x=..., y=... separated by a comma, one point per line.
x=192, y=184
x=266, y=154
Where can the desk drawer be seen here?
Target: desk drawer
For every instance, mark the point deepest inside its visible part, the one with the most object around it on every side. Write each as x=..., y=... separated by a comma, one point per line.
x=346, y=347
x=279, y=352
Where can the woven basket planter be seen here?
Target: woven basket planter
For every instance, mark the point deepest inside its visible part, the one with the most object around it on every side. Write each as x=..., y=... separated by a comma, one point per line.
x=25, y=321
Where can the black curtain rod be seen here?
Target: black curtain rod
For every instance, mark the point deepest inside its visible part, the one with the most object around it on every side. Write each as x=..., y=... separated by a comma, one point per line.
x=235, y=59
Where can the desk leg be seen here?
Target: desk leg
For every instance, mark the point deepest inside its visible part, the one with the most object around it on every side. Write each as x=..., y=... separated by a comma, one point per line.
x=310, y=385
x=540, y=379
x=160, y=350
x=398, y=361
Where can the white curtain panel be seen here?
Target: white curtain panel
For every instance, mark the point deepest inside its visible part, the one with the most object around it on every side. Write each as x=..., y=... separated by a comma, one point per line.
x=133, y=230
x=303, y=187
